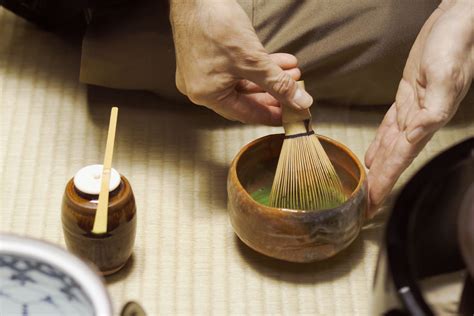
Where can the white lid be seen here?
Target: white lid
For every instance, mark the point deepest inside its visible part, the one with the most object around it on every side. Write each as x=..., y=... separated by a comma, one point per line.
x=87, y=180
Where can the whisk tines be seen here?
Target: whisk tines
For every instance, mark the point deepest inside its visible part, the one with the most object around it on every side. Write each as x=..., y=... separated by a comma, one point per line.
x=305, y=178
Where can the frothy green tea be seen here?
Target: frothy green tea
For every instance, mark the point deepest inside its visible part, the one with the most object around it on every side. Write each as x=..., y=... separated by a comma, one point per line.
x=260, y=187
x=262, y=195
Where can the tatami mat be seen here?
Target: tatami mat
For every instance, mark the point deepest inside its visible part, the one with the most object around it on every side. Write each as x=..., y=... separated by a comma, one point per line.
x=187, y=259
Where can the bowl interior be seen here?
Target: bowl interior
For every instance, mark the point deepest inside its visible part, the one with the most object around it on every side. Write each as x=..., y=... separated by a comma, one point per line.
x=257, y=164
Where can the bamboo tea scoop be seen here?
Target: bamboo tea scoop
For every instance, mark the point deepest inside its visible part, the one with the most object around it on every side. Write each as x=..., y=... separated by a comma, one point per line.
x=101, y=215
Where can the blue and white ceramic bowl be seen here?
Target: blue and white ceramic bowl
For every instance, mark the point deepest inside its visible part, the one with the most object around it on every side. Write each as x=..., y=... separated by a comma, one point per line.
x=39, y=278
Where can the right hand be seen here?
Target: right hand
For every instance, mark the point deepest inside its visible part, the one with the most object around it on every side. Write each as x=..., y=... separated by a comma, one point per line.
x=437, y=76
x=221, y=64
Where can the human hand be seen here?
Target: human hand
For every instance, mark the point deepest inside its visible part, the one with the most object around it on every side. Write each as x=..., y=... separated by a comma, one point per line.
x=436, y=78
x=221, y=64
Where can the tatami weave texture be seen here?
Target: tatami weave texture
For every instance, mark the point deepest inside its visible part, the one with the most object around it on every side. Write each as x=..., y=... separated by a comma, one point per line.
x=187, y=259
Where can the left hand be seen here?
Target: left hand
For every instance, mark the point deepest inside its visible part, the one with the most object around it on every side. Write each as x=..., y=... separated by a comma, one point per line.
x=436, y=78
x=221, y=64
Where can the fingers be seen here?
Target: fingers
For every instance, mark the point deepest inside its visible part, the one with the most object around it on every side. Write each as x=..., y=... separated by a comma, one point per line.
x=246, y=86
x=263, y=71
x=179, y=80
x=384, y=161
x=395, y=147
x=389, y=165
x=441, y=101
x=256, y=108
x=385, y=164
x=284, y=60
x=263, y=98
x=405, y=100
x=388, y=121
x=406, y=129
x=387, y=157
x=287, y=62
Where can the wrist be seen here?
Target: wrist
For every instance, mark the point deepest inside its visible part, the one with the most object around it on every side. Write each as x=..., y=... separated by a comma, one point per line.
x=182, y=3
x=450, y=3
x=195, y=4
x=464, y=6
x=460, y=12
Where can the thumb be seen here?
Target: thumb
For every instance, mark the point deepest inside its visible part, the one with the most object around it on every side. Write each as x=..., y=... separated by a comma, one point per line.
x=438, y=108
x=268, y=75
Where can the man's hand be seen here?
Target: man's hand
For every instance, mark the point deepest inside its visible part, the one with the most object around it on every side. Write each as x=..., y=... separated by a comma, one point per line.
x=436, y=78
x=221, y=64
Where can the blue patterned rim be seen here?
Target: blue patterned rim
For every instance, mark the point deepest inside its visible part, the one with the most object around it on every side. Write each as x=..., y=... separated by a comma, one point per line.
x=28, y=261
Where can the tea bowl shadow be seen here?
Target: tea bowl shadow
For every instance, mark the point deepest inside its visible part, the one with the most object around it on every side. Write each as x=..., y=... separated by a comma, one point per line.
x=324, y=271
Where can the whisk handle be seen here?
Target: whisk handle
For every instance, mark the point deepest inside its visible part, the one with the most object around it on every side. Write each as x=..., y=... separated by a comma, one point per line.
x=291, y=115
x=296, y=121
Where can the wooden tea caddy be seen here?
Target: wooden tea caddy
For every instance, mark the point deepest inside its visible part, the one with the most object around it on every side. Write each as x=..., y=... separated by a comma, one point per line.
x=99, y=212
x=109, y=251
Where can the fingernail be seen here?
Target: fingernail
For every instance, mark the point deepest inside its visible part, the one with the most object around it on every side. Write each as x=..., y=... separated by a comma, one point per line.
x=302, y=99
x=415, y=135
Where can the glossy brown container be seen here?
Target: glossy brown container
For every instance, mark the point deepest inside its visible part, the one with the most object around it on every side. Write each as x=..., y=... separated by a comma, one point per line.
x=293, y=235
x=109, y=251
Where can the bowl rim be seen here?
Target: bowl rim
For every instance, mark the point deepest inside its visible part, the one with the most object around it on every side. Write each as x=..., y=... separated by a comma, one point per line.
x=233, y=173
x=43, y=250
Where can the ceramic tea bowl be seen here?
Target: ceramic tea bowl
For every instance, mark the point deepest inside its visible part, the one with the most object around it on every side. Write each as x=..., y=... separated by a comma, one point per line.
x=39, y=278
x=286, y=234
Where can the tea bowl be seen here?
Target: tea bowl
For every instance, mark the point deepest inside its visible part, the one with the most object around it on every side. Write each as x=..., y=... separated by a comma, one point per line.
x=39, y=278
x=287, y=234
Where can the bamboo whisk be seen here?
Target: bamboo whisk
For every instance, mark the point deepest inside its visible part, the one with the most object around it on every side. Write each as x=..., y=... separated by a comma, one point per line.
x=305, y=178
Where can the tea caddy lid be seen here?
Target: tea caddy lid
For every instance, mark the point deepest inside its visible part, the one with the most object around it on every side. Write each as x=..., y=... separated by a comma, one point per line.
x=87, y=179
